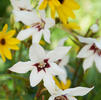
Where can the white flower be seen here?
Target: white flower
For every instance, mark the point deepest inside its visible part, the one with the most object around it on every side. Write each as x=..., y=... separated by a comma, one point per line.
x=63, y=62
x=91, y=52
x=42, y=65
x=38, y=25
x=22, y=5
x=69, y=94
x=94, y=28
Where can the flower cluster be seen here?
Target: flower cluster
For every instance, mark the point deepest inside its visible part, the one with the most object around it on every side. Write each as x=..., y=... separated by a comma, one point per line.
x=46, y=65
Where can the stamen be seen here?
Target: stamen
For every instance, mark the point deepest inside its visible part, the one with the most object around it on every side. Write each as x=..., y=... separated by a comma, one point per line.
x=42, y=64
x=40, y=25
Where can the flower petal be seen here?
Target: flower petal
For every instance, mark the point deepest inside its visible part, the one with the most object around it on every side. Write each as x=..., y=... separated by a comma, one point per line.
x=42, y=4
x=98, y=44
x=98, y=62
x=71, y=98
x=24, y=34
x=63, y=77
x=7, y=52
x=10, y=33
x=5, y=28
x=85, y=52
x=64, y=61
x=58, y=53
x=49, y=22
x=12, y=41
x=55, y=69
x=47, y=35
x=78, y=91
x=36, y=53
x=72, y=25
x=22, y=67
x=36, y=77
x=87, y=40
x=49, y=83
x=88, y=62
x=13, y=47
x=53, y=10
x=28, y=18
x=17, y=4
x=42, y=14
x=36, y=36
x=2, y=54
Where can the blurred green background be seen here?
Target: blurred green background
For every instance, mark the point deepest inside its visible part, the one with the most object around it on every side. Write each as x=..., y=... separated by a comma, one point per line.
x=16, y=86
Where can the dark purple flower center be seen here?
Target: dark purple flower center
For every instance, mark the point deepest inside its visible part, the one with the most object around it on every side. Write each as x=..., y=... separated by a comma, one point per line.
x=39, y=26
x=95, y=49
x=63, y=97
x=61, y=1
x=42, y=65
x=3, y=41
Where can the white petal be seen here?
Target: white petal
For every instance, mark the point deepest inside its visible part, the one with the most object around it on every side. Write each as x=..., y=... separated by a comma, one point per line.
x=98, y=44
x=55, y=69
x=85, y=52
x=64, y=61
x=24, y=34
x=21, y=4
x=86, y=40
x=78, y=91
x=28, y=18
x=71, y=98
x=36, y=77
x=36, y=53
x=37, y=36
x=47, y=35
x=49, y=83
x=49, y=23
x=22, y=67
x=98, y=62
x=88, y=62
x=61, y=42
x=63, y=77
x=42, y=14
x=58, y=53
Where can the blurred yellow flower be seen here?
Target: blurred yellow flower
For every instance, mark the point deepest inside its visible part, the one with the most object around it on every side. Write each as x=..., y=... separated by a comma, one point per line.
x=7, y=42
x=64, y=8
x=61, y=85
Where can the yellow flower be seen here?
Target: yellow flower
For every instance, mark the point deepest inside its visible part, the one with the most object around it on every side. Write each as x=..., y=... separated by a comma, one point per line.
x=64, y=8
x=61, y=85
x=7, y=42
